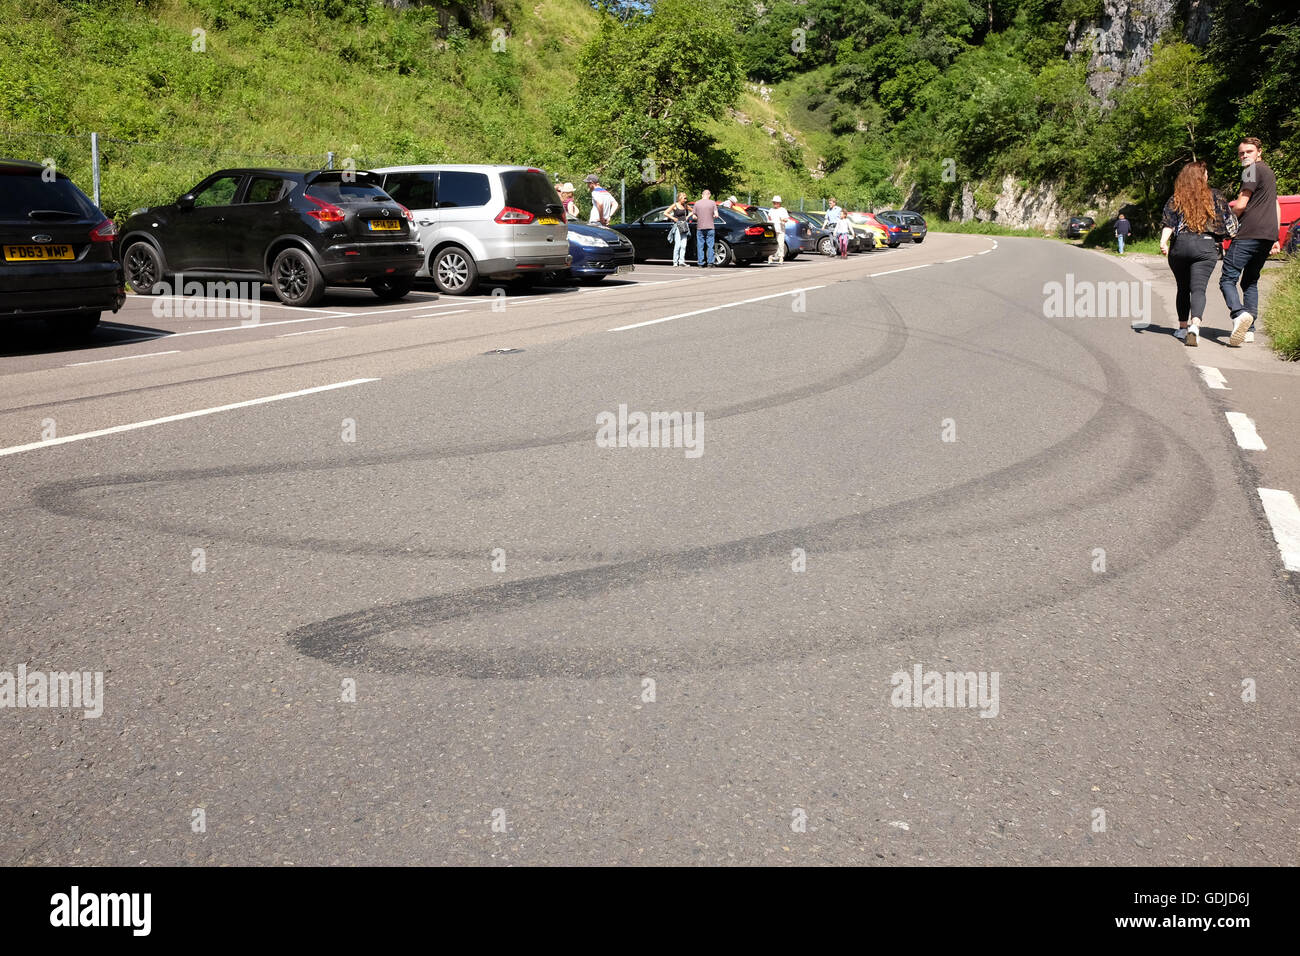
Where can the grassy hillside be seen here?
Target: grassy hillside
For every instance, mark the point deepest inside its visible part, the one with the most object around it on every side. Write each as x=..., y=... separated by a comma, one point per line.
x=381, y=86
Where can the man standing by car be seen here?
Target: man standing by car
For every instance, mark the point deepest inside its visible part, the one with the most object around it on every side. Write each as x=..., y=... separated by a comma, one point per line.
x=1122, y=230
x=1259, y=213
x=780, y=217
x=603, y=203
x=706, y=210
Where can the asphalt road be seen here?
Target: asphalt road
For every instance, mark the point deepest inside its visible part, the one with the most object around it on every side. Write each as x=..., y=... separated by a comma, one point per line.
x=683, y=658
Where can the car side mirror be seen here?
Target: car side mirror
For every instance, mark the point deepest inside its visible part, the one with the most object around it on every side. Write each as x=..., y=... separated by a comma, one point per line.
x=186, y=201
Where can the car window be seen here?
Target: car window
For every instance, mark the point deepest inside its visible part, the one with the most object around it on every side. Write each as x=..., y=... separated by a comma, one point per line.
x=531, y=191
x=654, y=215
x=335, y=190
x=219, y=192
x=412, y=190
x=264, y=189
x=459, y=189
x=21, y=192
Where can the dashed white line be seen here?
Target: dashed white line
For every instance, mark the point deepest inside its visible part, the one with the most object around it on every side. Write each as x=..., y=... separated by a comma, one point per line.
x=332, y=328
x=1284, y=519
x=890, y=272
x=1244, y=431
x=16, y=449
x=960, y=258
x=122, y=358
x=1213, y=377
x=715, y=308
x=435, y=315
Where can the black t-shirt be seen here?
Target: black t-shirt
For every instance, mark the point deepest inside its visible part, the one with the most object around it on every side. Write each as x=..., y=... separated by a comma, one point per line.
x=1121, y=227
x=1259, y=218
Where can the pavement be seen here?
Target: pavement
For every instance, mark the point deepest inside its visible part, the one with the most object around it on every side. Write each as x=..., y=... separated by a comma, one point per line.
x=381, y=593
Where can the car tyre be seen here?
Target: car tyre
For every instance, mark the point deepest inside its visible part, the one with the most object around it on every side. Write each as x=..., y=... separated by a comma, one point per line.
x=295, y=278
x=391, y=290
x=919, y=241
x=723, y=254
x=454, y=271
x=143, y=268
x=826, y=246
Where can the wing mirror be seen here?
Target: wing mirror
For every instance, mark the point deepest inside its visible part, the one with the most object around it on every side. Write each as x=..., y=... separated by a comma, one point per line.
x=186, y=201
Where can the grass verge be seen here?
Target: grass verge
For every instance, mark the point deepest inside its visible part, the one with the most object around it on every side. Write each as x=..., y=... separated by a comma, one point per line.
x=1282, y=312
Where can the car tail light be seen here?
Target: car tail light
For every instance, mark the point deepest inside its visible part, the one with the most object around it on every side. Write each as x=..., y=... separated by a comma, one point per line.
x=510, y=216
x=106, y=231
x=407, y=213
x=327, y=212
x=754, y=231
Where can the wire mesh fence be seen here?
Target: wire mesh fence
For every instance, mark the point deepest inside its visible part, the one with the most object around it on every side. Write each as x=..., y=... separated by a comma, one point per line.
x=124, y=175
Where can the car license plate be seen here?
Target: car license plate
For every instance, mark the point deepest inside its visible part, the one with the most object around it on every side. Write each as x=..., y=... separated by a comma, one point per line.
x=623, y=270
x=41, y=253
x=548, y=221
x=385, y=225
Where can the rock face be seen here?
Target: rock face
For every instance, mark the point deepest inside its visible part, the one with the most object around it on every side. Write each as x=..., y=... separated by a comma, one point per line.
x=1120, y=44
x=1032, y=206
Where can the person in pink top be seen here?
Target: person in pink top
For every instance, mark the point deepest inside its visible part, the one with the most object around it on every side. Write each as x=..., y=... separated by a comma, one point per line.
x=706, y=210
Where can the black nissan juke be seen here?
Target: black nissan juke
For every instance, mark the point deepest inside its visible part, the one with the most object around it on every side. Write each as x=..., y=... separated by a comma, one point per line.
x=298, y=231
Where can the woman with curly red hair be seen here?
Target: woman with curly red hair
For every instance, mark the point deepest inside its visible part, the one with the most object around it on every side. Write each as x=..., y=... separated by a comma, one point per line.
x=1196, y=219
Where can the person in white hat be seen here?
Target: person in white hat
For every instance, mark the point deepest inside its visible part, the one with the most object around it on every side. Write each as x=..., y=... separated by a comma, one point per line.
x=780, y=217
x=570, y=207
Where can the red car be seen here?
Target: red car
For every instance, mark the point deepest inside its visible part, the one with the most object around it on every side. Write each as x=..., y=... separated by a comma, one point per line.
x=1290, y=215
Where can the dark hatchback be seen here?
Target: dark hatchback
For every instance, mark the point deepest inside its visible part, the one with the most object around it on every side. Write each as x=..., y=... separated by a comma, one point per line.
x=913, y=220
x=57, y=259
x=298, y=231
x=598, y=252
x=739, y=238
x=1078, y=225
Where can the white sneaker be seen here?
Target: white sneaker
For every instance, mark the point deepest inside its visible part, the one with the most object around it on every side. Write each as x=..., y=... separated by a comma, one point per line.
x=1193, y=334
x=1250, y=337
x=1181, y=335
x=1242, y=325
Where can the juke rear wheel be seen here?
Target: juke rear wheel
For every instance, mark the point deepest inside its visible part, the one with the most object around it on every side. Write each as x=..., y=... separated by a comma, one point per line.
x=296, y=279
x=143, y=268
x=454, y=271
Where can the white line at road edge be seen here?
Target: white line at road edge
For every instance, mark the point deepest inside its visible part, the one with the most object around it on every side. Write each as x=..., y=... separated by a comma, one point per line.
x=1213, y=377
x=123, y=358
x=332, y=328
x=1244, y=430
x=184, y=415
x=1284, y=518
x=715, y=308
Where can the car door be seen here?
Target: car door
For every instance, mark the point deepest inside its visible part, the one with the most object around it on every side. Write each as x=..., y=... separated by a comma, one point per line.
x=654, y=239
x=418, y=192
x=255, y=219
x=199, y=236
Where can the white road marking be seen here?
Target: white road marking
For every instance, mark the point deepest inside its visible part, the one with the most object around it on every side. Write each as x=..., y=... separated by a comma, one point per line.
x=434, y=315
x=960, y=258
x=232, y=301
x=15, y=449
x=333, y=328
x=1284, y=519
x=1244, y=430
x=715, y=308
x=123, y=358
x=1213, y=377
x=892, y=271
x=259, y=325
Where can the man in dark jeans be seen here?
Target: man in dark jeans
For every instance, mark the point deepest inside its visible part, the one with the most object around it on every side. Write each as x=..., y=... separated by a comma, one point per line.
x=1122, y=230
x=1259, y=212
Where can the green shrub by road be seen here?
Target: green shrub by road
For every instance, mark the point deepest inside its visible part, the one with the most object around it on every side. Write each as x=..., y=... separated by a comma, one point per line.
x=1282, y=311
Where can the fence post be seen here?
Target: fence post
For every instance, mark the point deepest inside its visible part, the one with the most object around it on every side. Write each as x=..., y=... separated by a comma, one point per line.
x=94, y=163
x=749, y=199
x=622, y=200
x=801, y=204
x=329, y=159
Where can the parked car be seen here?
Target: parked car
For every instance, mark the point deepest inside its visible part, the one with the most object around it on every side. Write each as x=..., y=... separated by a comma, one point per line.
x=891, y=220
x=598, y=252
x=819, y=239
x=739, y=239
x=798, y=234
x=1286, y=230
x=894, y=231
x=860, y=239
x=914, y=221
x=476, y=222
x=299, y=231
x=58, y=258
x=1077, y=226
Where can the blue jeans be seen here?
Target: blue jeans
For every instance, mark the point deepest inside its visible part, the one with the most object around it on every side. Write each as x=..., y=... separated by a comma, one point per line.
x=1242, y=261
x=1121, y=244
x=679, y=247
x=699, y=246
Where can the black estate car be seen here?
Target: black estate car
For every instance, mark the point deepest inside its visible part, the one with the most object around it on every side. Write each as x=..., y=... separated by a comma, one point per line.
x=1076, y=226
x=58, y=262
x=739, y=238
x=299, y=231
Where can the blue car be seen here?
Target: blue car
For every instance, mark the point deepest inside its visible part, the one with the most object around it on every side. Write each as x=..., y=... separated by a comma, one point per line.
x=598, y=252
